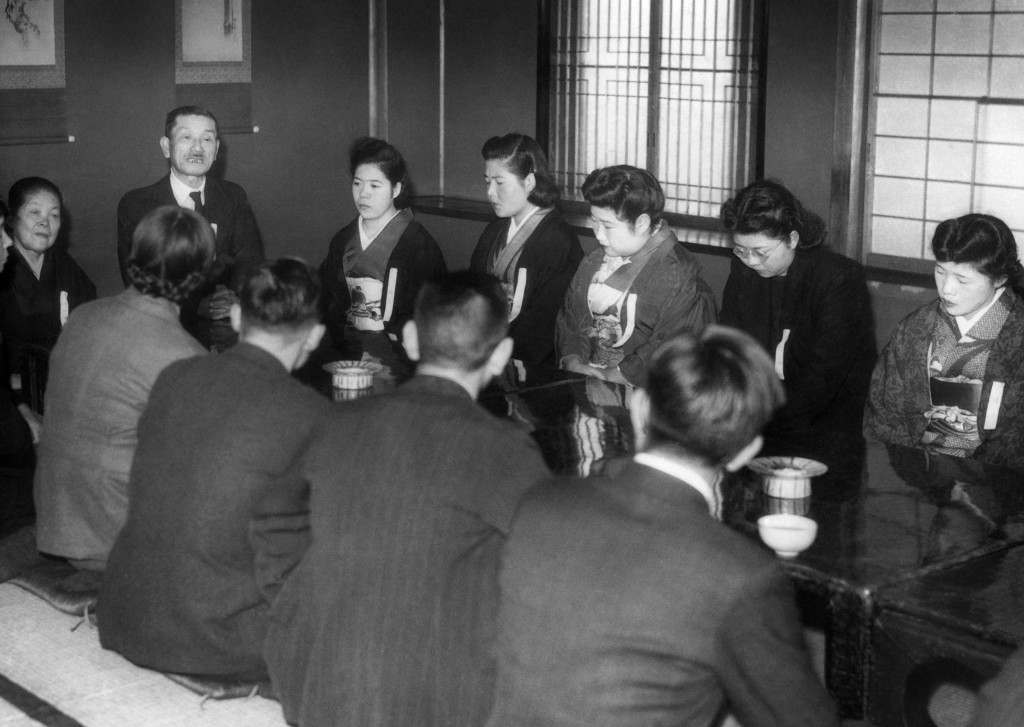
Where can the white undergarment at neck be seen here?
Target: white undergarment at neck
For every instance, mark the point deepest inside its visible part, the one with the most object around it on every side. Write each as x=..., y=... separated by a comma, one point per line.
x=966, y=323
x=513, y=228
x=181, y=192
x=365, y=240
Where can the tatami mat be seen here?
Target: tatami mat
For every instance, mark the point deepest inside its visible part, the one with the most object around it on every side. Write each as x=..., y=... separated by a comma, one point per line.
x=98, y=688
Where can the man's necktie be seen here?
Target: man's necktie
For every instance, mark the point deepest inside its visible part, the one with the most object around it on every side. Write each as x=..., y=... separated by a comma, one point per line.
x=197, y=197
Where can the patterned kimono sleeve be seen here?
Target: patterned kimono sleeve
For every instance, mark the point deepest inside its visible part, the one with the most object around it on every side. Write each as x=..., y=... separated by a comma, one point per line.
x=688, y=305
x=574, y=318
x=895, y=410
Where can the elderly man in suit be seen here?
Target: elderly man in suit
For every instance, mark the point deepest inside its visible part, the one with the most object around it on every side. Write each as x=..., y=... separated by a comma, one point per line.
x=625, y=602
x=179, y=592
x=387, y=619
x=190, y=144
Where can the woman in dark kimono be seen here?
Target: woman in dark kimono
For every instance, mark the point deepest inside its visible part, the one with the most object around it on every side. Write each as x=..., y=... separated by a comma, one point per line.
x=951, y=377
x=377, y=263
x=530, y=247
x=809, y=308
x=41, y=283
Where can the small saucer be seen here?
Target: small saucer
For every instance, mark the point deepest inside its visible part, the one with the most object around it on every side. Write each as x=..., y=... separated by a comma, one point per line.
x=334, y=367
x=777, y=466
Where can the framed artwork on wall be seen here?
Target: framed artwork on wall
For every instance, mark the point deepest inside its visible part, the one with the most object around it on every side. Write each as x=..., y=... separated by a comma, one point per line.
x=32, y=44
x=213, y=41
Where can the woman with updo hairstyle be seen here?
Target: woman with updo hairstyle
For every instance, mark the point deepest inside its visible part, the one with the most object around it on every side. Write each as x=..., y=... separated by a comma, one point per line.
x=809, y=308
x=530, y=248
x=41, y=283
x=951, y=378
x=101, y=372
x=638, y=288
x=376, y=264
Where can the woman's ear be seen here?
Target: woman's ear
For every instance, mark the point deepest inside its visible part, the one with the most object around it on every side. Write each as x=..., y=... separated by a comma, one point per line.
x=794, y=240
x=396, y=190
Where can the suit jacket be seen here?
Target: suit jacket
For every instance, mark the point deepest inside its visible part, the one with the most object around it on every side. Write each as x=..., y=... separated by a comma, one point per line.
x=623, y=602
x=900, y=394
x=387, y=619
x=549, y=258
x=827, y=355
x=179, y=593
x=101, y=372
x=238, y=238
x=416, y=258
x=671, y=297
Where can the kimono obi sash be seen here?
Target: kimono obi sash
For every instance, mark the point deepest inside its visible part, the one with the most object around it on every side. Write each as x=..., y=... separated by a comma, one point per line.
x=368, y=277
x=956, y=370
x=505, y=262
x=611, y=302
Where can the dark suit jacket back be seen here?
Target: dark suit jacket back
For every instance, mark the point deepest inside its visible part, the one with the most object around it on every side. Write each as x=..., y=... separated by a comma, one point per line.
x=388, y=618
x=179, y=592
x=623, y=603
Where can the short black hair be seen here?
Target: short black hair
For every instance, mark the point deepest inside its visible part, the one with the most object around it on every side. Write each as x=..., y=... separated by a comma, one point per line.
x=627, y=191
x=172, y=251
x=19, y=193
x=173, y=114
x=767, y=206
x=388, y=159
x=983, y=241
x=712, y=394
x=460, y=317
x=522, y=155
x=281, y=294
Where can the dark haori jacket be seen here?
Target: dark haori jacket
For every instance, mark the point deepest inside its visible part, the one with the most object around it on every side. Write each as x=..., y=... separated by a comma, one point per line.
x=180, y=592
x=816, y=323
x=541, y=275
x=415, y=258
x=31, y=309
x=624, y=602
x=226, y=208
x=669, y=296
x=900, y=388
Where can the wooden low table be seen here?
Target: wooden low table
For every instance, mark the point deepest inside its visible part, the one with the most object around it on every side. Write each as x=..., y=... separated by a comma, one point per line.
x=956, y=625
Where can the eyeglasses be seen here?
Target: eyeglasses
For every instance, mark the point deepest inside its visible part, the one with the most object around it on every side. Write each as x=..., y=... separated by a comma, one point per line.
x=755, y=254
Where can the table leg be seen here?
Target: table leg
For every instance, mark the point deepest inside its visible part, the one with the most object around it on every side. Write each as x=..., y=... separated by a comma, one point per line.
x=848, y=649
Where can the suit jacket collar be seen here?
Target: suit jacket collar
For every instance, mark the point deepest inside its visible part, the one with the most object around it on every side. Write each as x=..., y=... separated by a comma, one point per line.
x=213, y=195
x=666, y=495
x=256, y=356
x=435, y=385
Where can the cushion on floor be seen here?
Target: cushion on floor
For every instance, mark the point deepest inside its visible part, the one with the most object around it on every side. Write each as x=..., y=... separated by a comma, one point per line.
x=63, y=586
x=211, y=687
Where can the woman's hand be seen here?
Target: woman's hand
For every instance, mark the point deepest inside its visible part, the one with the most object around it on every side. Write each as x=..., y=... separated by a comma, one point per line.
x=575, y=363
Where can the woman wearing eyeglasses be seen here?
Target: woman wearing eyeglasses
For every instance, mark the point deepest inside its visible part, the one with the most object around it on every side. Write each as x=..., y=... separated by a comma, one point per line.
x=809, y=307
